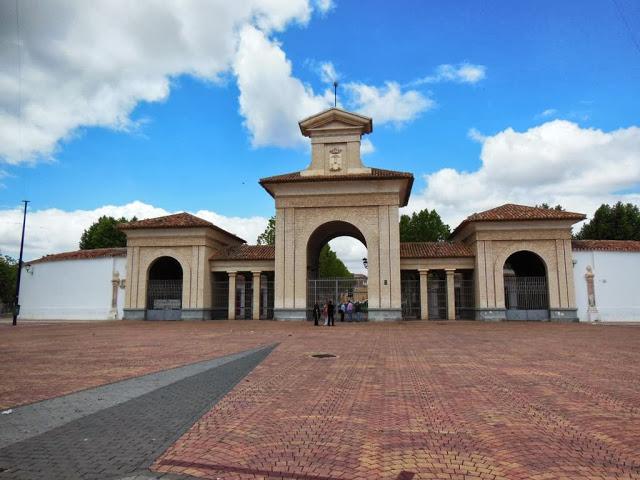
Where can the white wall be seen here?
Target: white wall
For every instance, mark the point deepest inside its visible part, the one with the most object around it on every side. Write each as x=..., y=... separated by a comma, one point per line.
x=616, y=282
x=71, y=289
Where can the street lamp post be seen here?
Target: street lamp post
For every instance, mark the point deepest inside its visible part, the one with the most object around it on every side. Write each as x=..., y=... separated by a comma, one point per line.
x=16, y=303
x=365, y=263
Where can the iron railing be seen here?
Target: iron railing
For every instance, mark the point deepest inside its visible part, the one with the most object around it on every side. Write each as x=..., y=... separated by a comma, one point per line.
x=464, y=296
x=410, y=298
x=164, y=295
x=220, y=299
x=437, y=298
x=338, y=290
x=526, y=293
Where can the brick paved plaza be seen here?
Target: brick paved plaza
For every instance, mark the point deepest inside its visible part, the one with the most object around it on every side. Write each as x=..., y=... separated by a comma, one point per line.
x=399, y=401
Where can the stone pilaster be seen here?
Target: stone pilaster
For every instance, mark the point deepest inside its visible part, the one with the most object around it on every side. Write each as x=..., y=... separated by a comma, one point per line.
x=451, y=294
x=232, y=295
x=255, y=311
x=424, y=295
x=115, y=284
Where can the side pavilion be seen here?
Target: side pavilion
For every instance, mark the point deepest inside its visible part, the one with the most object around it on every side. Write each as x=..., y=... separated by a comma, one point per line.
x=510, y=262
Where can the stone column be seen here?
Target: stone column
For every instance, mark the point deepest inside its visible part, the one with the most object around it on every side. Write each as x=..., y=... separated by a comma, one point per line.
x=255, y=311
x=424, y=294
x=232, y=295
x=451, y=294
x=115, y=284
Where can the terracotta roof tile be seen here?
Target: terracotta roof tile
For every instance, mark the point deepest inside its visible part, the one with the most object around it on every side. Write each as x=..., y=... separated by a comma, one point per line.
x=513, y=212
x=434, y=250
x=606, y=245
x=81, y=255
x=246, y=252
x=177, y=220
x=376, y=174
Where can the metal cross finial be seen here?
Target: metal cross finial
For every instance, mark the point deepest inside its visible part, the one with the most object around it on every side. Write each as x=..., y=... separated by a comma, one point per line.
x=335, y=93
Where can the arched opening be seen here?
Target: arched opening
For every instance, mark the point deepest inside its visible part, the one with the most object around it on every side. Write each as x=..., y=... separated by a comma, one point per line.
x=526, y=294
x=337, y=272
x=164, y=289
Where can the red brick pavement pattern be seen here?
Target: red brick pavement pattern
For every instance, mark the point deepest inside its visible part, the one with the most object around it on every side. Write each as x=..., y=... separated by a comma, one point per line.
x=39, y=361
x=426, y=400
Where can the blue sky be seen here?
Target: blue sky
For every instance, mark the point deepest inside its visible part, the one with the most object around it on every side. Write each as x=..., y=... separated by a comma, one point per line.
x=559, y=91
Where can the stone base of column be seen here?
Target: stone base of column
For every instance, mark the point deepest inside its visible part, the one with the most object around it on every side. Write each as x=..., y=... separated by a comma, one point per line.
x=563, y=314
x=134, y=314
x=196, y=314
x=491, y=314
x=290, y=314
x=384, y=314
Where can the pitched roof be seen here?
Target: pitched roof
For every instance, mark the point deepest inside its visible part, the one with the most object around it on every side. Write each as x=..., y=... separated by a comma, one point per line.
x=81, y=255
x=434, y=250
x=510, y=212
x=376, y=174
x=177, y=220
x=246, y=252
x=606, y=245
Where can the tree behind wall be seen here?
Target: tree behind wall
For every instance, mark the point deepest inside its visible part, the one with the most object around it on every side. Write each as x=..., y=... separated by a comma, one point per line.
x=423, y=226
x=618, y=222
x=104, y=234
x=8, y=275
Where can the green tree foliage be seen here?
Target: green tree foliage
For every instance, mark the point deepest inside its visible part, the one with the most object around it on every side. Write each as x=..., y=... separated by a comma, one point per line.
x=268, y=237
x=329, y=265
x=423, y=226
x=546, y=206
x=8, y=274
x=104, y=234
x=618, y=222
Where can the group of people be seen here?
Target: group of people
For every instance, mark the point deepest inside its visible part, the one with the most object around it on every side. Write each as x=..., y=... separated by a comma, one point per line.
x=351, y=310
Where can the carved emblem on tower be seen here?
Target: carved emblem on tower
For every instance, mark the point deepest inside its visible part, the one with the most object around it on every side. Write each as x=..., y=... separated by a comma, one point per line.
x=335, y=159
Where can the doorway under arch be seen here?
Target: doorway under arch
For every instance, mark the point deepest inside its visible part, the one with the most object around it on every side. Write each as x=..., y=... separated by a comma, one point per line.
x=345, y=289
x=526, y=291
x=164, y=290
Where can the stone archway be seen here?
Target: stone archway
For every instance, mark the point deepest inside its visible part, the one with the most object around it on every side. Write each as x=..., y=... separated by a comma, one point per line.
x=338, y=289
x=164, y=289
x=526, y=289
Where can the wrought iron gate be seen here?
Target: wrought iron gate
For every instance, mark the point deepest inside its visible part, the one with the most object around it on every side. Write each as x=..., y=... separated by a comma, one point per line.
x=220, y=300
x=266, y=301
x=338, y=290
x=164, y=299
x=410, y=296
x=244, y=298
x=526, y=298
x=464, y=297
x=437, y=301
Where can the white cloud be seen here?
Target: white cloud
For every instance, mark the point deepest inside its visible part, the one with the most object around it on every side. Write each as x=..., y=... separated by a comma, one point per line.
x=460, y=73
x=325, y=5
x=271, y=99
x=388, y=104
x=53, y=230
x=366, y=147
x=548, y=112
x=475, y=135
x=99, y=59
x=351, y=252
x=556, y=162
x=328, y=73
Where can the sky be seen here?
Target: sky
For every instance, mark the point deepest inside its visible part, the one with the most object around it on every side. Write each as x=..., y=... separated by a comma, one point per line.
x=153, y=107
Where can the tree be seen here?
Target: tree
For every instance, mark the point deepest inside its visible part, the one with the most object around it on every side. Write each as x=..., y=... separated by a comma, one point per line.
x=329, y=264
x=104, y=234
x=8, y=275
x=423, y=226
x=617, y=222
x=546, y=206
x=268, y=237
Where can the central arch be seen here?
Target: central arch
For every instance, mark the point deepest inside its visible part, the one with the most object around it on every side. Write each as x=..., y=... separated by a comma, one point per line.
x=349, y=292
x=526, y=290
x=164, y=289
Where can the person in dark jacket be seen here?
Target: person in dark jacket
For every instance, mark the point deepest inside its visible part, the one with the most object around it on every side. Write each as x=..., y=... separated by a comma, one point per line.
x=316, y=313
x=330, y=311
